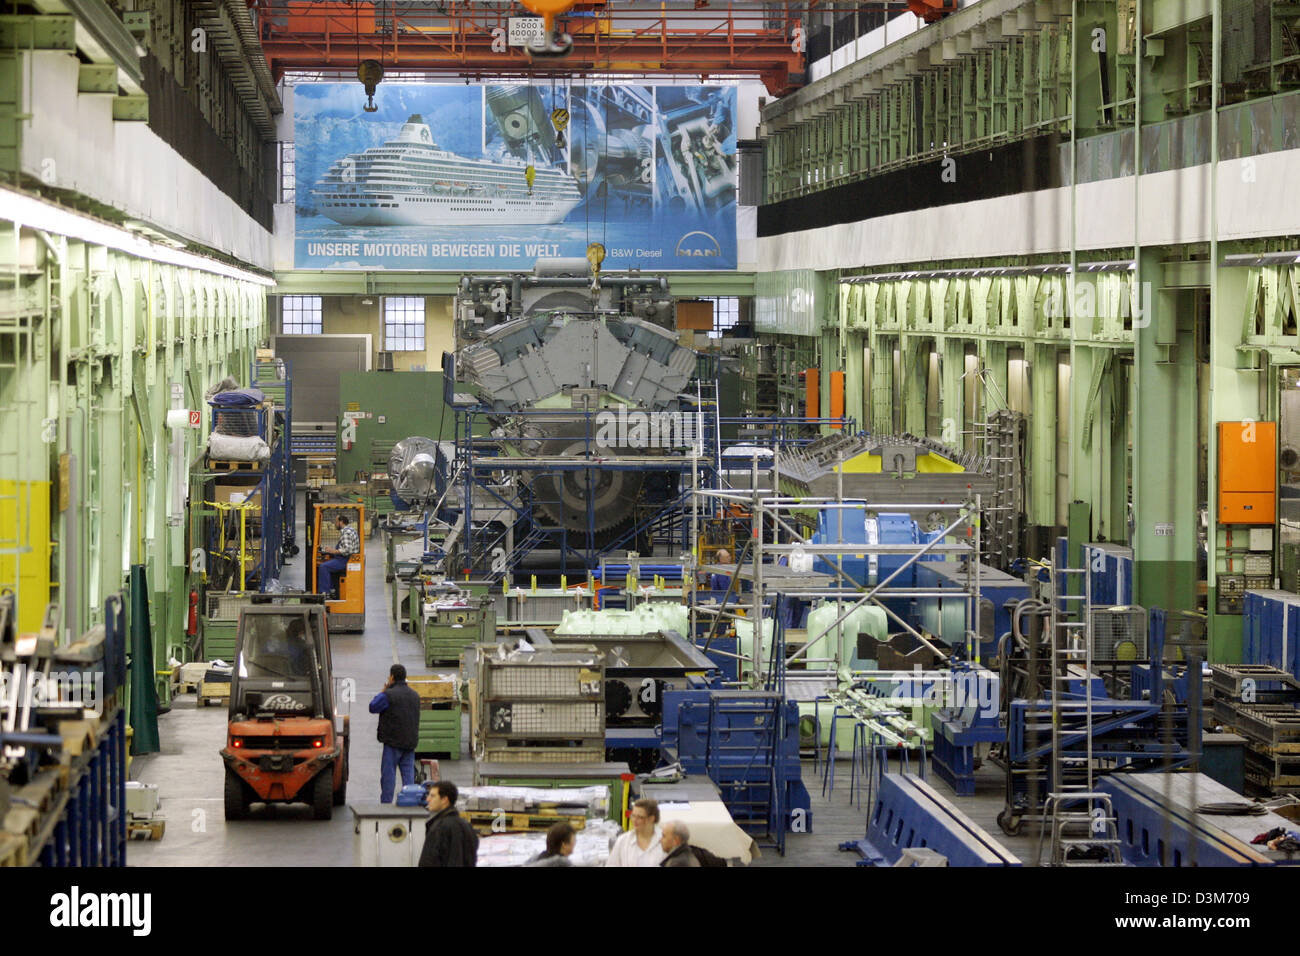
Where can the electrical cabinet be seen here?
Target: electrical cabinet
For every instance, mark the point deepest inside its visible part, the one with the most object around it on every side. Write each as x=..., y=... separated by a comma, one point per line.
x=1247, y=472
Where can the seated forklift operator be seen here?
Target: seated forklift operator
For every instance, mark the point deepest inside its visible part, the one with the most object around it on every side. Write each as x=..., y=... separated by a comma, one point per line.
x=347, y=545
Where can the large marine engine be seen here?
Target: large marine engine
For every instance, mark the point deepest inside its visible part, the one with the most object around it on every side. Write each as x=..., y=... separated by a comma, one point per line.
x=556, y=341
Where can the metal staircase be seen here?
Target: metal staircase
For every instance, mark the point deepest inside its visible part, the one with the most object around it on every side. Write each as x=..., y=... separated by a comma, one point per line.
x=744, y=735
x=1082, y=823
x=535, y=537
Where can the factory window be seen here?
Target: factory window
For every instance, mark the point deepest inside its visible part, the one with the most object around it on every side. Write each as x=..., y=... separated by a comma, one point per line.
x=300, y=315
x=726, y=313
x=288, y=172
x=404, y=323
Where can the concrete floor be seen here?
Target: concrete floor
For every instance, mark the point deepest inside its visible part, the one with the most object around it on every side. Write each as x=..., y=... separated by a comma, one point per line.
x=189, y=774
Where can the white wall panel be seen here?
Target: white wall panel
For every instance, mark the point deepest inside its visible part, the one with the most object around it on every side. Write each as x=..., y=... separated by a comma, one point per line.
x=125, y=164
x=1174, y=207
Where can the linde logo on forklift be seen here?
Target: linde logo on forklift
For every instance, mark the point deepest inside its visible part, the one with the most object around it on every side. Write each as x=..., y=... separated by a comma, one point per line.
x=77, y=910
x=280, y=702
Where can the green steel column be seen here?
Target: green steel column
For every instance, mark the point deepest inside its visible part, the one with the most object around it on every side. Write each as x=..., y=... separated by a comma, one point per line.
x=107, y=415
x=1042, y=436
x=1088, y=432
x=882, y=384
x=915, y=369
x=1164, y=448
x=993, y=358
x=952, y=389
x=854, y=390
x=1234, y=396
x=1119, y=426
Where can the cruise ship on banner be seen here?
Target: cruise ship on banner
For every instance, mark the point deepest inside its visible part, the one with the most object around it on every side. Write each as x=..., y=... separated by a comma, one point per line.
x=410, y=181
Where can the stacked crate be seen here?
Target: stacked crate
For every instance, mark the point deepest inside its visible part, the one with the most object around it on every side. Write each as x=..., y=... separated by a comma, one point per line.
x=440, y=716
x=447, y=628
x=1258, y=701
x=540, y=707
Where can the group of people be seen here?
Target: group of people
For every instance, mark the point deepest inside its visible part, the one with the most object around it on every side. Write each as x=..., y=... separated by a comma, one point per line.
x=449, y=840
x=646, y=844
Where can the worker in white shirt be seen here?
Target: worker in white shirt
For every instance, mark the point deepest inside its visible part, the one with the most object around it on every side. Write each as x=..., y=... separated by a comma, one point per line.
x=640, y=845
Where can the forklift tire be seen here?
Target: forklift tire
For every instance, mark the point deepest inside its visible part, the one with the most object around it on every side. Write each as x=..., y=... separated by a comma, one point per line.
x=341, y=794
x=322, y=795
x=236, y=797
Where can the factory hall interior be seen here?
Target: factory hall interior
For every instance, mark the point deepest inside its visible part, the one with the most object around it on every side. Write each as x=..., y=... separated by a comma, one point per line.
x=649, y=433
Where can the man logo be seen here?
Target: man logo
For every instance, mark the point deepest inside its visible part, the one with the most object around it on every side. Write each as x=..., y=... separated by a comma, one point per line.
x=698, y=245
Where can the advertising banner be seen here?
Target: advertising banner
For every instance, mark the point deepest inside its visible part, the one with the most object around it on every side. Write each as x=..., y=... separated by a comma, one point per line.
x=451, y=177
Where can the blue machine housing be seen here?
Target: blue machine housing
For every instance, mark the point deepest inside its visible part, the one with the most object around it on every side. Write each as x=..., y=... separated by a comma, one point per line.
x=847, y=526
x=1270, y=630
x=1112, y=573
x=747, y=743
x=1160, y=829
x=971, y=718
x=908, y=813
x=945, y=617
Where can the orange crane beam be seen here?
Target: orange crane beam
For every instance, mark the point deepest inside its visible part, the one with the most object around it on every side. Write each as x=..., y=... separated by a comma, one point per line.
x=468, y=40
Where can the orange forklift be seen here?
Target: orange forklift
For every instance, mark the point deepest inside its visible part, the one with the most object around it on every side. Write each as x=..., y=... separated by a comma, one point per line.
x=285, y=740
x=347, y=603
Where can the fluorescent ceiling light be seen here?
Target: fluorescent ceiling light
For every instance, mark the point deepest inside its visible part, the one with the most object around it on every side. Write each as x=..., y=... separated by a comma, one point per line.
x=35, y=213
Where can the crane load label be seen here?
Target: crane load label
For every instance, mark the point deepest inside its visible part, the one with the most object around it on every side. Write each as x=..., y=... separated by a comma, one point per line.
x=521, y=30
x=451, y=178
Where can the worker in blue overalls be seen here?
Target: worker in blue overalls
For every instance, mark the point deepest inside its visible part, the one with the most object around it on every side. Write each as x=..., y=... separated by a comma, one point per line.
x=719, y=582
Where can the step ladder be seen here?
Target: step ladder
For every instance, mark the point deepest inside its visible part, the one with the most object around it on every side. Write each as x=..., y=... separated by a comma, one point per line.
x=1081, y=821
x=741, y=759
x=1084, y=831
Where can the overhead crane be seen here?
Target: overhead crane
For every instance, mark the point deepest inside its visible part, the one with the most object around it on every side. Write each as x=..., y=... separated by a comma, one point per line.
x=469, y=39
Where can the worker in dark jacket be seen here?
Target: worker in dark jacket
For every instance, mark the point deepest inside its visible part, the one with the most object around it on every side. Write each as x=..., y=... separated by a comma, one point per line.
x=561, y=840
x=676, y=845
x=398, y=707
x=449, y=840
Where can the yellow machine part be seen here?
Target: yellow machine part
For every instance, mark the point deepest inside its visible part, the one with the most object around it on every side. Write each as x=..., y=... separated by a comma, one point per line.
x=926, y=464
x=25, y=519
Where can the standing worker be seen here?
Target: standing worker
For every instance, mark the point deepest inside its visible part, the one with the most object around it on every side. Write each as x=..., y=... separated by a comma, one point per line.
x=449, y=840
x=676, y=845
x=347, y=545
x=720, y=582
x=398, y=707
x=640, y=845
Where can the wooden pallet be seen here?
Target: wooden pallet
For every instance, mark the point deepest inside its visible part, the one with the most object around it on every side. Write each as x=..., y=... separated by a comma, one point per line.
x=226, y=464
x=13, y=850
x=145, y=829
x=485, y=821
x=213, y=693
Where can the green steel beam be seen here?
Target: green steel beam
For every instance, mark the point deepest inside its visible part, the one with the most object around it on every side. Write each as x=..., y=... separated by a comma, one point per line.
x=48, y=32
